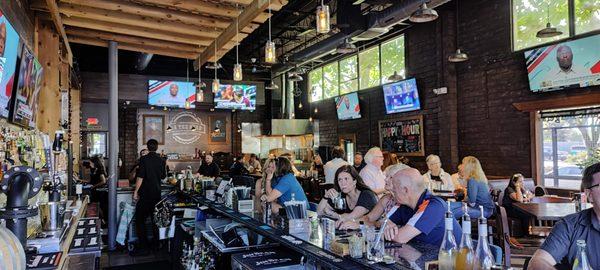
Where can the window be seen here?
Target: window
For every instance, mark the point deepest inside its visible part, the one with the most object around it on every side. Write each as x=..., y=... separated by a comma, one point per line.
x=571, y=142
x=330, y=80
x=392, y=58
x=315, y=84
x=587, y=15
x=349, y=75
x=530, y=16
x=96, y=144
x=368, y=65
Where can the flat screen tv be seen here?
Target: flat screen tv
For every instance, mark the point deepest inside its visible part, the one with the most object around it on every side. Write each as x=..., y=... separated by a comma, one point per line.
x=29, y=84
x=236, y=97
x=172, y=94
x=402, y=96
x=565, y=65
x=9, y=50
x=347, y=106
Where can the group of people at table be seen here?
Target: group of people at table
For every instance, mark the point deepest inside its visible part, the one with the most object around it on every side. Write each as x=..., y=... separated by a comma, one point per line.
x=403, y=195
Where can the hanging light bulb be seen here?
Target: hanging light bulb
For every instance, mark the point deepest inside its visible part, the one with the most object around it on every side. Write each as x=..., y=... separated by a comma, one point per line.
x=215, y=82
x=187, y=105
x=300, y=106
x=237, y=68
x=323, y=23
x=270, y=56
x=200, y=96
x=310, y=119
x=316, y=110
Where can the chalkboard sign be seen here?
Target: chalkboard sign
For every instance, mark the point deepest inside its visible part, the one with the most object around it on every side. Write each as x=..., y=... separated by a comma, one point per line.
x=403, y=136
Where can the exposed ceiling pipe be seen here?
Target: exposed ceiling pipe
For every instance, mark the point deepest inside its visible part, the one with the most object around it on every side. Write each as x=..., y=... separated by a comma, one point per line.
x=143, y=60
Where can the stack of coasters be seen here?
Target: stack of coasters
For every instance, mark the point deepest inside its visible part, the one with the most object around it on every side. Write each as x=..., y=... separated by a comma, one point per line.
x=87, y=236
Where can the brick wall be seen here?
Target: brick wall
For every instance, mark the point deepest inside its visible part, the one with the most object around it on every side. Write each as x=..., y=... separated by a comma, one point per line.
x=127, y=139
x=476, y=117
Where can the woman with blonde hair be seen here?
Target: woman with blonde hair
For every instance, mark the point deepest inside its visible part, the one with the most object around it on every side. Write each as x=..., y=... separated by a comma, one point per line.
x=478, y=192
x=259, y=188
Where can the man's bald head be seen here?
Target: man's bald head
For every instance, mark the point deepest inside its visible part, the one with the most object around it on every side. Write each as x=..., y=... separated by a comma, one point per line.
x=409, y=178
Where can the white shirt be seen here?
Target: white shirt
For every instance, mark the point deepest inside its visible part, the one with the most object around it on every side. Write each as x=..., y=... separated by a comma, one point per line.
x=446, y=179
x=373, y=177
x=331, y=167
x=172, y=100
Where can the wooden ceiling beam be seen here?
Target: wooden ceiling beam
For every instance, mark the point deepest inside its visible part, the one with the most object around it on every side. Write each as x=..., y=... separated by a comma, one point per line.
x=80, y=32
x=133, y=47
x=196, y=6
x=60, y=28
x=89, y=13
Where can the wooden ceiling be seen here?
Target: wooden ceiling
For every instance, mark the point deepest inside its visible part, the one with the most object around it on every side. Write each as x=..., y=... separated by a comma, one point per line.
x=176, y=28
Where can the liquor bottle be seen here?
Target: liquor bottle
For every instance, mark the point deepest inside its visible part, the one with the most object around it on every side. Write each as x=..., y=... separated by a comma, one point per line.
x=466, y=254
x=581, y=261
x=483, y=255
x=448, y=249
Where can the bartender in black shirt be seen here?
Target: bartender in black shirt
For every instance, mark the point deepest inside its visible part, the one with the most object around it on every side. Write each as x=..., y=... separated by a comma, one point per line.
x=208, y=167
x=147, y=191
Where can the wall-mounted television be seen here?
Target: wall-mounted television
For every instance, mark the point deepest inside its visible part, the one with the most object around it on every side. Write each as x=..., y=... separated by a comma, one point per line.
x=29, y=84
x=9, y=51
x=347, y=106
x=570, y=64
x=236, y=97
x=402, y=96
x=172, y=94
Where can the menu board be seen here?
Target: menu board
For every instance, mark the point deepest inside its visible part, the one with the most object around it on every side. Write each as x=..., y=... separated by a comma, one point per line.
x=403, y=136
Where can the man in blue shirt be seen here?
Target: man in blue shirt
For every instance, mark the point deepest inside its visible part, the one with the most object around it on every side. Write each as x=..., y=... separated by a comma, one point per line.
x=420, y=215
x=560, y=248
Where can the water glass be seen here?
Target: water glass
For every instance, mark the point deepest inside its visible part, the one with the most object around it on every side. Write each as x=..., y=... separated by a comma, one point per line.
x=375, y=249
x=356, y=244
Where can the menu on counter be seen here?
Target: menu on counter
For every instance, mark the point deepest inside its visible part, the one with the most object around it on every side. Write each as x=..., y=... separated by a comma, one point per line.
x=403, y=136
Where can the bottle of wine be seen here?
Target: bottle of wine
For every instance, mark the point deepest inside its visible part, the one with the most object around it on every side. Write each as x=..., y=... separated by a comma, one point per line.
x=483, y=256
x=581, y=262
x=448, y=249
x=466, y=253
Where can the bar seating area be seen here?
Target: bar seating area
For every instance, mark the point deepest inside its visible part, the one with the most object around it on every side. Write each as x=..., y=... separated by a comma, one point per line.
x=299, y=134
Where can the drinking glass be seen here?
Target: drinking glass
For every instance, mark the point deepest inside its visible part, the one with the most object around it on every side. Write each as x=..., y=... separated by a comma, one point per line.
x=356, y=246
x=375, y=248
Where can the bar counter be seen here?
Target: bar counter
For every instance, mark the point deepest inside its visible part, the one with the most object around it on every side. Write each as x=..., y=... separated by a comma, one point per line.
x=413, y=255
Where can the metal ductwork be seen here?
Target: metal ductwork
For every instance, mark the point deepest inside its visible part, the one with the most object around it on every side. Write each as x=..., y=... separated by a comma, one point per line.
x=143, y=60
x=357, y=27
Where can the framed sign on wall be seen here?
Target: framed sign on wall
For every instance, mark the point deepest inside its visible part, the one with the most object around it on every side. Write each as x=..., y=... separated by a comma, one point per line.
x=218, y=129
x=154, y=128
x=403, y=136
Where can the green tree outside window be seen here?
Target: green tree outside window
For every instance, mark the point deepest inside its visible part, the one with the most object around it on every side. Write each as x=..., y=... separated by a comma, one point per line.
x=330, y=80
x=392, y=58
x=587, y=15
x=530, y=16
x=315, y=84
x=369, y=72
x=348, y=75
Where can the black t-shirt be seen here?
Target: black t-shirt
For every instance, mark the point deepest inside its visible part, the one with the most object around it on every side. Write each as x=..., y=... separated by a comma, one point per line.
x=237, y=168
x=360, y=167
x=210, y=170
x=152, y=169
x=507, y=201
x=435, y=178
x=366, y=199
x=95, y=175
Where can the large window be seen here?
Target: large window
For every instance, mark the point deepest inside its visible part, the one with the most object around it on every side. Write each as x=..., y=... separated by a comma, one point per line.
x=392, y=59
x=96, y=143
x=359, y=71
x=349, y=75
x=330, y=80
x=315, y=84
x=368, y=66
x=530, y=16
x=571, y=141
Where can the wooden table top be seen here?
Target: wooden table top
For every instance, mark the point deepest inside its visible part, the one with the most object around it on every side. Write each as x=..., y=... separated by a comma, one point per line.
x=548, y=211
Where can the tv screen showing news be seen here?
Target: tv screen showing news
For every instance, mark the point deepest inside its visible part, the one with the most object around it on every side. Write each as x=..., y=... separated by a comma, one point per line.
x=347, y=106
x=236, y=97
x=402, y=96
x=29, y=84
x=171, y=93
x=9, y=50
x=570, y=64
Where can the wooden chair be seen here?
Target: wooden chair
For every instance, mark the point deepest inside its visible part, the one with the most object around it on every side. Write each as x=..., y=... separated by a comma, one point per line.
x=502, y=233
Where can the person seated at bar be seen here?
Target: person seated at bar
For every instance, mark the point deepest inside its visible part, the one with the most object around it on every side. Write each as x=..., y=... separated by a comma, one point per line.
x=317, y=165
x=560, y=248
x=259, y=187
x=282, y=186
x=389, y=159
x=436, y=174
x=208, y=167
x=291, y=157
x=238, y=168
x=372, y=174
x=359, y=162
x=136, y=168
x=420, y=215
x=333, y=165
x=478, y=192
x=349, y=187
x=253, y=164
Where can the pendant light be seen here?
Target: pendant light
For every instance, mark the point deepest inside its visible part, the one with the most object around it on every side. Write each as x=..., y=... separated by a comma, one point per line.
x=215, y=83
x=201, y=85
x=323, y=23
x=187, y=103
x=395, y=77
x=294, y=77
x=549, y=31
x=423, y=14
x=272, y=86
x=270, y=46
x=458, y=56
x=346, y=47
x=237, y=68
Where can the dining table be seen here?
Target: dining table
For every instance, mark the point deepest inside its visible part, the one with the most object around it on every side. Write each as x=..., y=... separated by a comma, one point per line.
x=548, y=211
